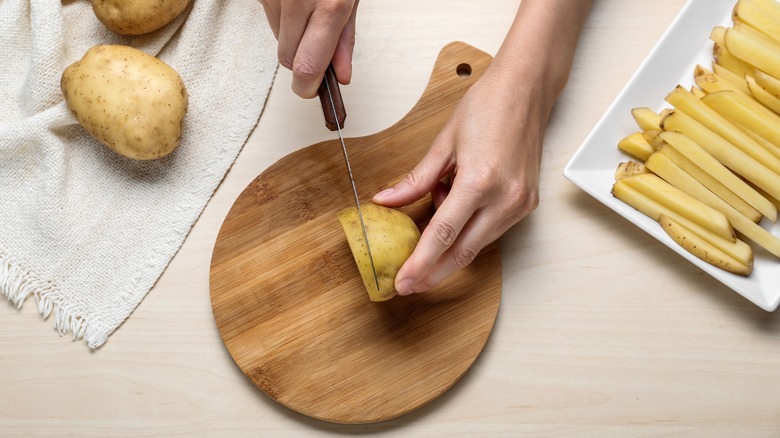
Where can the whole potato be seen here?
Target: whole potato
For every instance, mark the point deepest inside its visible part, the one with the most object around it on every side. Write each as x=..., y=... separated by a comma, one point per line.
x=137, y=17
x=392, y=236
x=128, y=100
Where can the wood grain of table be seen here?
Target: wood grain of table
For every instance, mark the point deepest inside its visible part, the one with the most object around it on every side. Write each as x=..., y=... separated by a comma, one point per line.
x=602, y=330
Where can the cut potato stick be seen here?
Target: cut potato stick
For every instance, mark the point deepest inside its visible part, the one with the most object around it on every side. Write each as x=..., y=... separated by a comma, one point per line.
x=652, y=209
x=630, y=168
x=702, y=249
x=691, y=147
x=766, y=98
x=731, y=157
x=682, y=203
x=636, y=145
x=650, y=136
x=677, y=177
x=718, y=35
x=646, y=118
x=731, y=130
x=760, y=14
x=760, y=140
x=763, y=122
x=698, y=92
x=727, y=60
x=763, y=54
x=712, y=183
x=752, y=31
x=722, y=139
x=712, y=83
x=769, y=197
x=768, y=82
x=737, y=82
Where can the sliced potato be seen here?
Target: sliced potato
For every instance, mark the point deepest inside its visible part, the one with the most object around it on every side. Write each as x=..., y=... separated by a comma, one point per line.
x=653, y=209
x=646, y=118
x=392, y=236
x=636, y=145
x=682, y=203
x=630, y=168
x=703, y=249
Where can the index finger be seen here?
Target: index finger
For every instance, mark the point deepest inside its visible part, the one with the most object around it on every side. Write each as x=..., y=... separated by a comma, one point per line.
x=440, y=234
x=316, y=49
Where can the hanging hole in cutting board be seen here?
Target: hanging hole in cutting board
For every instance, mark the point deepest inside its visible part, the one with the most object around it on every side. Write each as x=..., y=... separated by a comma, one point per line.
x=463, y=70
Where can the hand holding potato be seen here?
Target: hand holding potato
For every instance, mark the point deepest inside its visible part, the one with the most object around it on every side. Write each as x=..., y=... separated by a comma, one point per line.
x=491, y=146
x=392, y=236
x=131, y=102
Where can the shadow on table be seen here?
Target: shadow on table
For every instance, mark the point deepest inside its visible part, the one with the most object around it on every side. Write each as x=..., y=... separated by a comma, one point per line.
x=590, y=209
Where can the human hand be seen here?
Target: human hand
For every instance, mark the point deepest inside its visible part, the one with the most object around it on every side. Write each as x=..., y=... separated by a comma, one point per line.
x=312, y=34
x=490, y=150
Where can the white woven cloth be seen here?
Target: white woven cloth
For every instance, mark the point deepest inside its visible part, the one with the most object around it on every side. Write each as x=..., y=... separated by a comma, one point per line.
x=86, y=231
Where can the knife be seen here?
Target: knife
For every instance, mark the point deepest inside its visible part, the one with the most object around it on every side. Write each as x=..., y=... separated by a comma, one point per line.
x=335, y=115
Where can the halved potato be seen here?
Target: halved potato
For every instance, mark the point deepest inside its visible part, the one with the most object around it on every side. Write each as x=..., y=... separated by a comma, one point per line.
x=392, y=236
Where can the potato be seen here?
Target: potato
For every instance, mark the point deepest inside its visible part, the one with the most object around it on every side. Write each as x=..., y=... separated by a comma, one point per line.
x=392, y=236
x=131, y=102
x=137, y=17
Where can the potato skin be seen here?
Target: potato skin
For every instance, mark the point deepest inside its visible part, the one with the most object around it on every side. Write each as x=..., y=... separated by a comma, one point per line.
x=137, y=17
x=392, y=236
x=128, y=100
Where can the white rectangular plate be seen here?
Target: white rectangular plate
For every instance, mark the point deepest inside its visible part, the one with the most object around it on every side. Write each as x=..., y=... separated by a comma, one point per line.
x=671, y=62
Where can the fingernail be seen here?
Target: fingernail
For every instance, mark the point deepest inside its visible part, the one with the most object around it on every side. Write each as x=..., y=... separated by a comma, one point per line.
x=384, y=193
x=404, y=287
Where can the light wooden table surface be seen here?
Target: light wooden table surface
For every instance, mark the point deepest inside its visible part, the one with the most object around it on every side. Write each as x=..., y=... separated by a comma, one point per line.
x=601, y=331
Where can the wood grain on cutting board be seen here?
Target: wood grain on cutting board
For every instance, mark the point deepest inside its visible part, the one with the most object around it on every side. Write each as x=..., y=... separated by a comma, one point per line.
x=288, y=299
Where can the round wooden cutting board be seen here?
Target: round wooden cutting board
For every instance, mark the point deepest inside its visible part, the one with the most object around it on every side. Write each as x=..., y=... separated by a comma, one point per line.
x=287, y=296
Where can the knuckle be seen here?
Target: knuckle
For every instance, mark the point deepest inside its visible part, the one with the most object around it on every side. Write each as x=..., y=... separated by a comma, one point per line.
x=464, y=256
x=411, y=179
x=444, y=234
x=521, y=200
x=285, y=61
x=335, y=7
x=304, y=68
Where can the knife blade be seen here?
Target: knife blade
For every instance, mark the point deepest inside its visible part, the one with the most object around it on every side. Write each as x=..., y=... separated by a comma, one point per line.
x=335, y=115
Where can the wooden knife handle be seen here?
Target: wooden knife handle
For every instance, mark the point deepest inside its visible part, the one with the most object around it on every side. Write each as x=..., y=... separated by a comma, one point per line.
x=327, y=110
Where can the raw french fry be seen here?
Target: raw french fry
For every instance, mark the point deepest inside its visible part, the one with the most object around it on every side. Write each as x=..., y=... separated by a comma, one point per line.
x=681, y=203
x=729, y=156
x=728, y=129
x=763, y=15
x=698, y=92
x=719, y=137
x=636, y=145
x=712, y=183
x=766, y=98
x=702, y=249
x=646, y=118
x=763, y=122
x=677, y=177
x=771, y=199
x=630, y=168
x=712, y=83
x=736, y=81
x=768, y=82
x=718, y=35
x=760, y=140
x=650, y=136
x=652, y=209
x=763, y=54
x=752, y=31
x=727, y=60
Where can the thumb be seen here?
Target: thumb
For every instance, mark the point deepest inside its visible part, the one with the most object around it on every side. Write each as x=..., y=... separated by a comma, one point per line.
x=436, y=163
